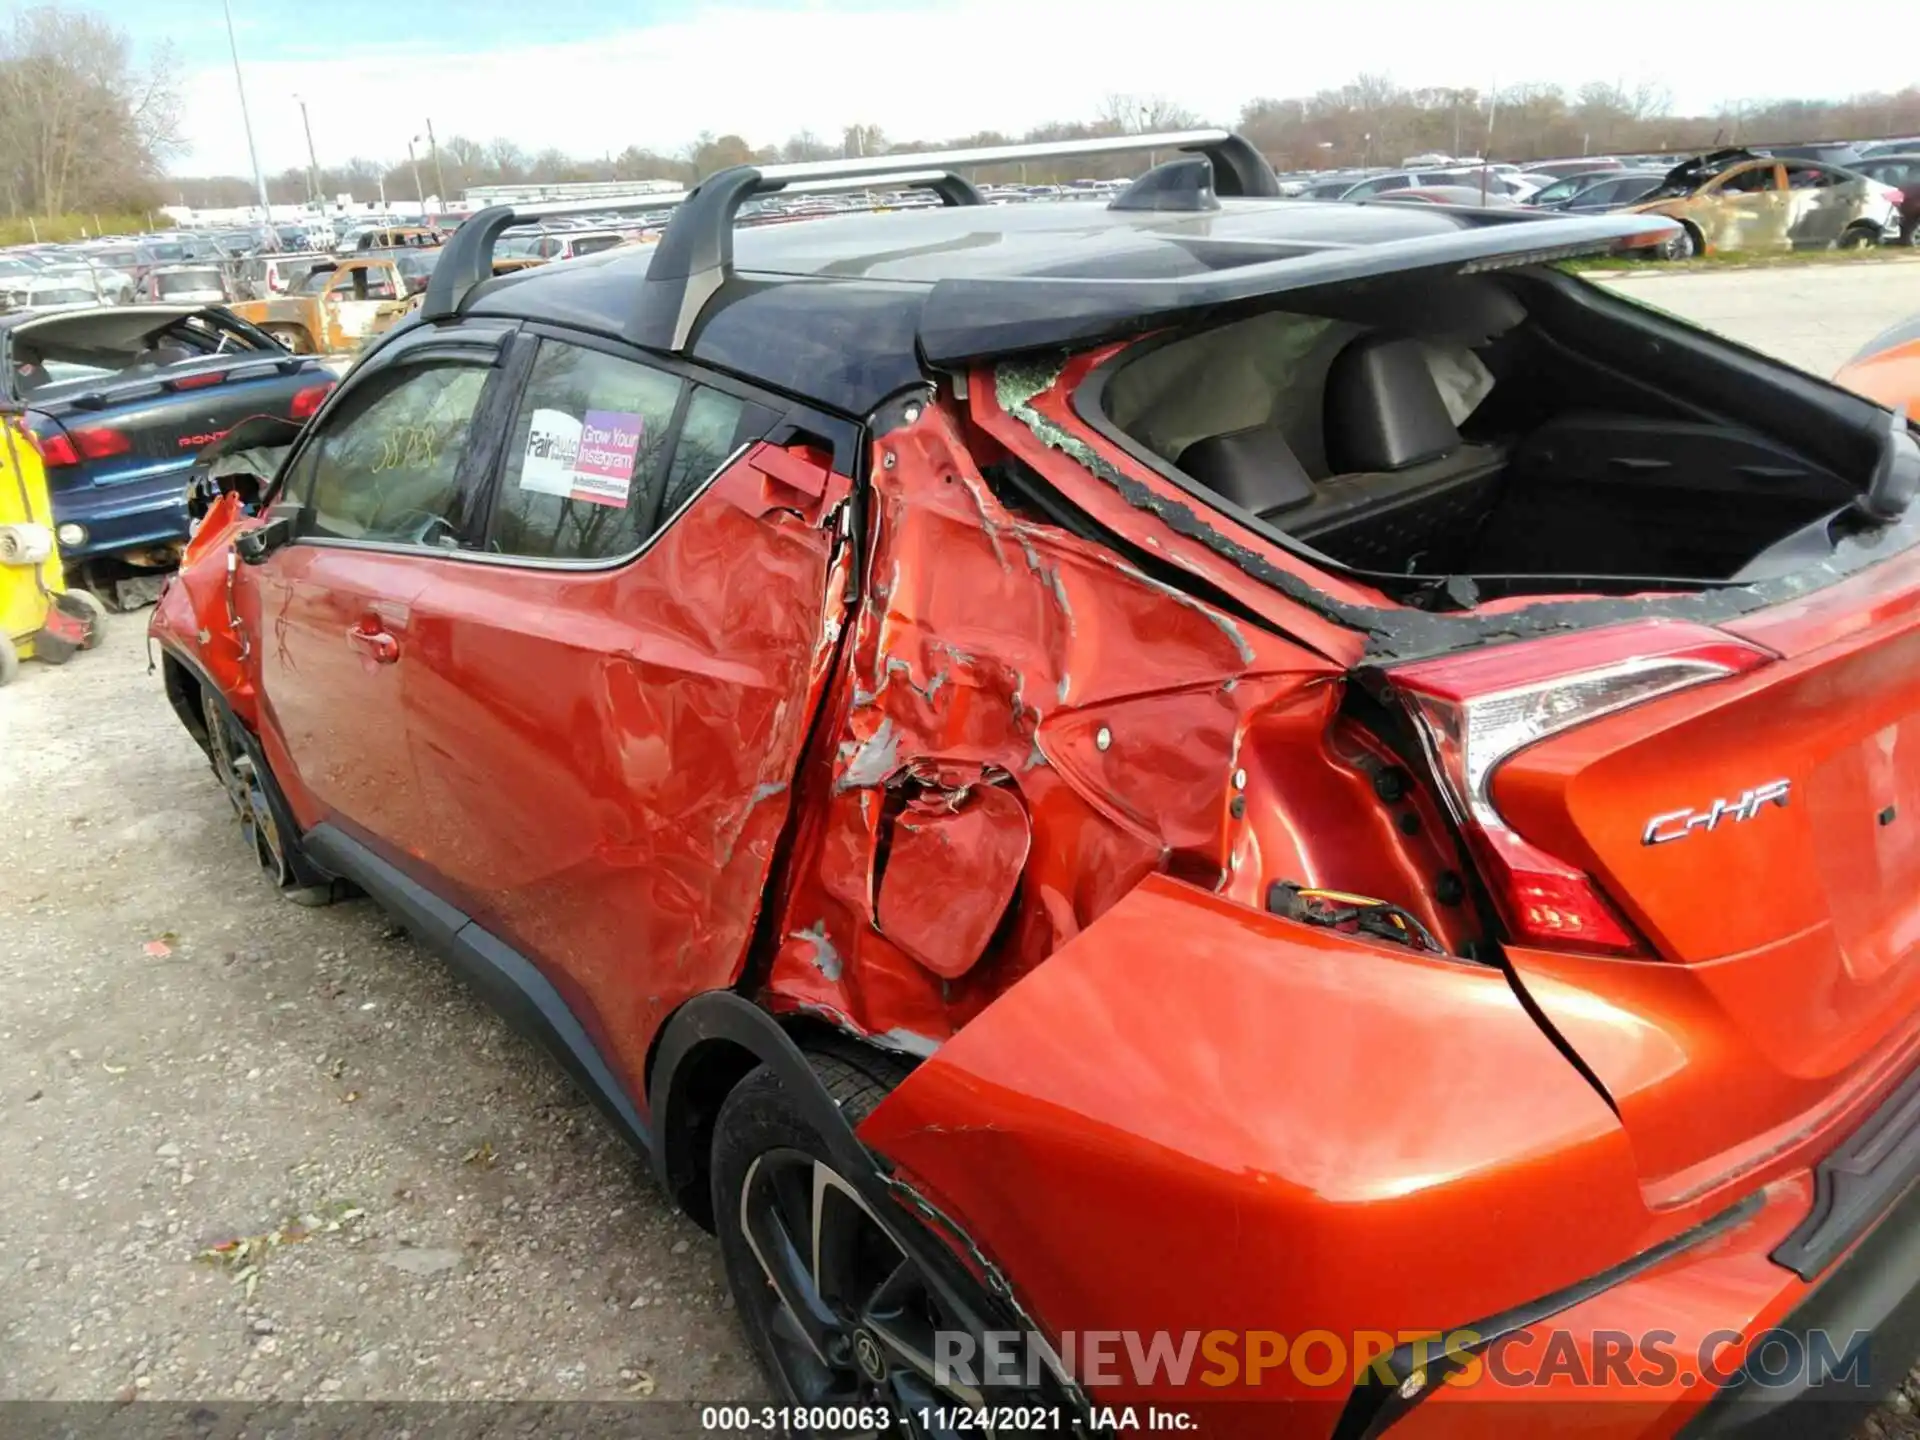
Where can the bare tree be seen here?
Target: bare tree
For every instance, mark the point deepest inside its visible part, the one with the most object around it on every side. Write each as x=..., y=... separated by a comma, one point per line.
x=864, y=140
x=83, y=123
x=1143, y=114
x=804, y=145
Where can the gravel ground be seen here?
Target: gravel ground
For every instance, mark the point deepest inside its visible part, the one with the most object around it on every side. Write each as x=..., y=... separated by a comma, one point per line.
x=188, y=1062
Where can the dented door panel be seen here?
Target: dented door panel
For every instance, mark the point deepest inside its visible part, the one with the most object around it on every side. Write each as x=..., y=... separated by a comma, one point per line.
x=605, y=755
x=1097, y=725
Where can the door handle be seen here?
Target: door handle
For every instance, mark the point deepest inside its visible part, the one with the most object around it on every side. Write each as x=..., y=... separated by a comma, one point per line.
x=377, y=645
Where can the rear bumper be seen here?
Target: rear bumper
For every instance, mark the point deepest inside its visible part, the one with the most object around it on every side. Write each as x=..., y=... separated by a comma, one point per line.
x=1790, y=1322
x=1865, y=1313
x=126, y=515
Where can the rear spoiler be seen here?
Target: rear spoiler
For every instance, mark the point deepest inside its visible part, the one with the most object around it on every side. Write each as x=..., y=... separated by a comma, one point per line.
x=224, y=369
x=971, y=319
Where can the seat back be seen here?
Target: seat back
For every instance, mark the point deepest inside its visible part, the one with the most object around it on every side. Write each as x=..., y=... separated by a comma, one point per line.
x=1384, y=411
x=1253, y=468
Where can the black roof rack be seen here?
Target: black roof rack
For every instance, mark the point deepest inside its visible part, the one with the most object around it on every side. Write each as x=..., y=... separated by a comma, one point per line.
x=695, y=254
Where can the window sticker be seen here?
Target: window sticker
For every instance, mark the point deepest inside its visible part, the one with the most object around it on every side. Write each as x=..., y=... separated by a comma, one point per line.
x=590, y=460
x=553, y=440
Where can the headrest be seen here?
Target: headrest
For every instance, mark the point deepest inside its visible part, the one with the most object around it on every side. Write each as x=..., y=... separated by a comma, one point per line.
x=1384, y=411
x=1253, y=468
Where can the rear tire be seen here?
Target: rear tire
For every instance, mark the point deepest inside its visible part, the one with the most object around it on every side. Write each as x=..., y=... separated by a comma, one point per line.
x=851, y=1322
x=1859, y=237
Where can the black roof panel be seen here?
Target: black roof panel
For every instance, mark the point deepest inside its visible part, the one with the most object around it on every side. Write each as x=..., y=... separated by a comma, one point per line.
x=844, y=311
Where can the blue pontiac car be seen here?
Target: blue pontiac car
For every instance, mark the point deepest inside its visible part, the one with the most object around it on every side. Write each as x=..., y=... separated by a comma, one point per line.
x=118, y=399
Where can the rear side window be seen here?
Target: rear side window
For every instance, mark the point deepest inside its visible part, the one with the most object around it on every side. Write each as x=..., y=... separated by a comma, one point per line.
x=385, y=468
x=1758, y=179
x=706, y=438
x=605, y=451
x=586, y=462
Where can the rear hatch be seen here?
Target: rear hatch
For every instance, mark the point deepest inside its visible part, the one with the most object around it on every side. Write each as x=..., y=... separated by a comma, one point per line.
x=126, y=430
x=1705, y=848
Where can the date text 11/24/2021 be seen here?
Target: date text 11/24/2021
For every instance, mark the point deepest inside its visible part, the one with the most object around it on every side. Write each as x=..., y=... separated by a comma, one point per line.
x=986, y=1420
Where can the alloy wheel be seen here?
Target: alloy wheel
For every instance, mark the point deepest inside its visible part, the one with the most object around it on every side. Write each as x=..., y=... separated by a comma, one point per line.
x=851, y=1317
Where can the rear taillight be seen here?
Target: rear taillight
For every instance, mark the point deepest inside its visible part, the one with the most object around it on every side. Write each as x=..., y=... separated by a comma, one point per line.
x=56, y=450
x=1477, y=709
x=101, y=443
x=197, y=382
x=274, y=282
x=306, y=403
x=1895, y=198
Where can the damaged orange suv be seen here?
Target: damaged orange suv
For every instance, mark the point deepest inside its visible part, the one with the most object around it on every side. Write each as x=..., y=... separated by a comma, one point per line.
x=1279, y=811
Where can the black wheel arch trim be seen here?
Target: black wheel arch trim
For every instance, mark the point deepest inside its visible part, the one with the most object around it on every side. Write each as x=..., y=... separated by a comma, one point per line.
x=306, y=871
x=728, y=1017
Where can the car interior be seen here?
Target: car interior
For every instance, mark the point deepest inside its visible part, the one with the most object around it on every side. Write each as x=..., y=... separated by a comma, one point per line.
x=1451, y=426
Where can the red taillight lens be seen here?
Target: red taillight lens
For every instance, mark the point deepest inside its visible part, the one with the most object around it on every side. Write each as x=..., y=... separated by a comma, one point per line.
x=1896, y=198
x=197, y=382
x=102, y=443
x=1477, y=709
x=306, y=403
x=56, y=450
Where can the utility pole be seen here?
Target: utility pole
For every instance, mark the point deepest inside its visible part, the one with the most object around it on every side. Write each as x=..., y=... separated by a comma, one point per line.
x=419, y=193
x=1486, y=156
x=439, y=176
x=313, y=164
x=246, y=123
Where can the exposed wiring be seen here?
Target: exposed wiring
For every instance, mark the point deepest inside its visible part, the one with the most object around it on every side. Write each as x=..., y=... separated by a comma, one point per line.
x=1341, y=910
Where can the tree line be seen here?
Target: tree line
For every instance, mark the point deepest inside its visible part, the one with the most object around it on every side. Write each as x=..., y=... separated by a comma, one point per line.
x=88, y=124
x=1369, y=121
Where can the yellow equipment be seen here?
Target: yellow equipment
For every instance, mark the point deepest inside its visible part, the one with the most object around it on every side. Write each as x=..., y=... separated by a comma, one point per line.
x=43, y=618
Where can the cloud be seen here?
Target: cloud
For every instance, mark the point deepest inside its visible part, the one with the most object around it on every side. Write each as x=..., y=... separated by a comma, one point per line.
x=955, y=66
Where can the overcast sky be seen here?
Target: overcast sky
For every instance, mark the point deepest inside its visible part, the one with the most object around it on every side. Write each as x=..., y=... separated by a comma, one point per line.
x=592, y=76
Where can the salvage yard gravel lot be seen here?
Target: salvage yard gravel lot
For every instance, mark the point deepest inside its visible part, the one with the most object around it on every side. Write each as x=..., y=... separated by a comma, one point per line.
x=253, y=1151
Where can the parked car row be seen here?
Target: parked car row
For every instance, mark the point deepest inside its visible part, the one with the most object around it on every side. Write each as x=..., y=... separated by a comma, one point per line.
x=1729, y=199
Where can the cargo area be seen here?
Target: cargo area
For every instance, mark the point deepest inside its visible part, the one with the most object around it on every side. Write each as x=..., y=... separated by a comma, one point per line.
x=1435, y=426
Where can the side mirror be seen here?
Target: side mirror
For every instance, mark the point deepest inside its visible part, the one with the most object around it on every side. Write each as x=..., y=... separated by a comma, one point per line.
x=255, y=545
